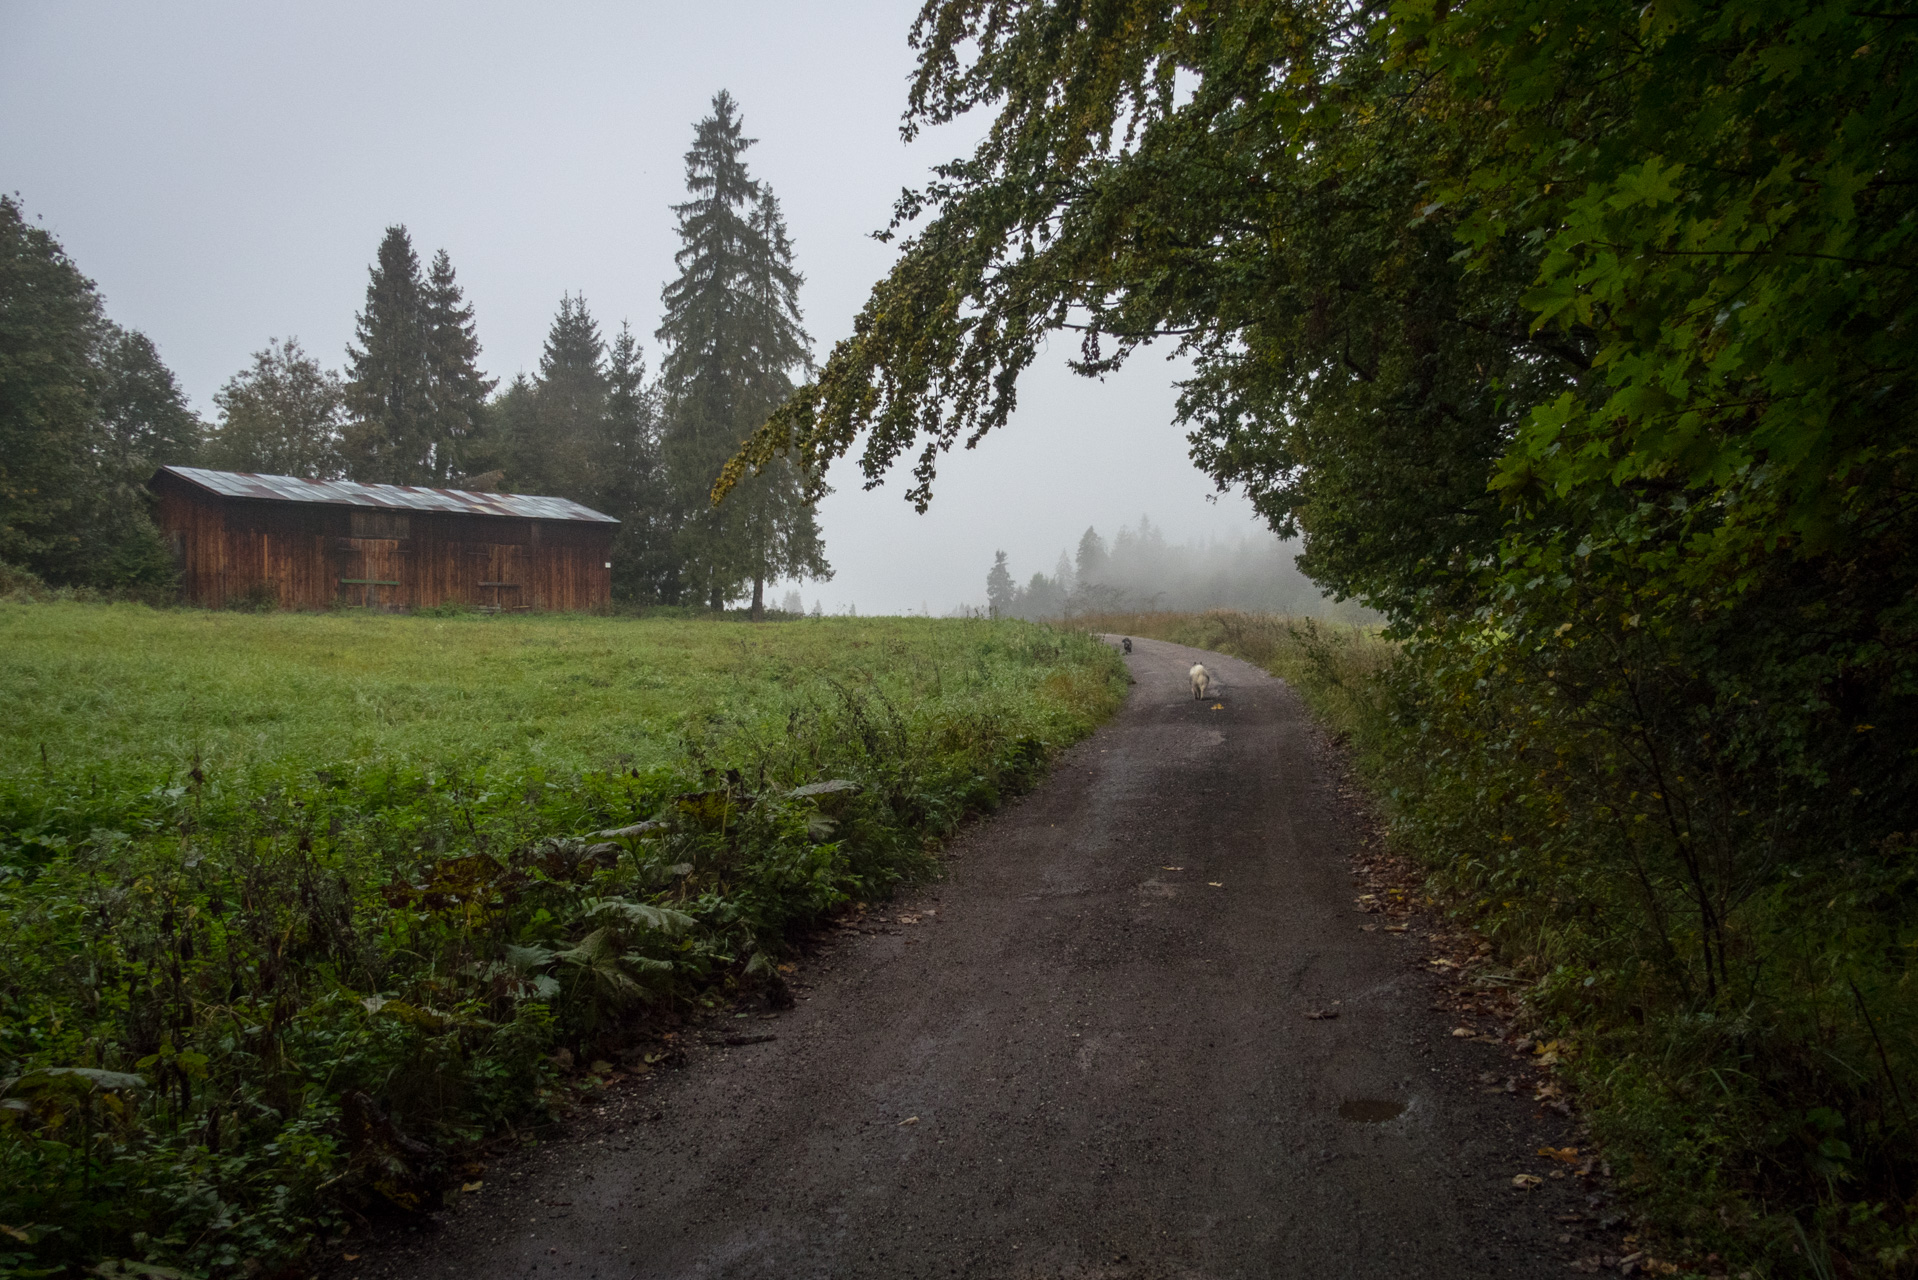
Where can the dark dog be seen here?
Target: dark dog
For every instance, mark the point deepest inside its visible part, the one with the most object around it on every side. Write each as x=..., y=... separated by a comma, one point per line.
x=1127, y=642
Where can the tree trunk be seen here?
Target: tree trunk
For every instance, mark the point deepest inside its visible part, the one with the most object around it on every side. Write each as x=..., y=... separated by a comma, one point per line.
x=759, y=598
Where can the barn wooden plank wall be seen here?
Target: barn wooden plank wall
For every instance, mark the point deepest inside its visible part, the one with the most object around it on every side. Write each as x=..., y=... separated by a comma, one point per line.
x=315, y=556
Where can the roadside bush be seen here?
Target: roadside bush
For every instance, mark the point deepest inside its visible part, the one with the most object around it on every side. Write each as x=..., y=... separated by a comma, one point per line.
x=1699, y=841
x=141, y=583
x=17, y=583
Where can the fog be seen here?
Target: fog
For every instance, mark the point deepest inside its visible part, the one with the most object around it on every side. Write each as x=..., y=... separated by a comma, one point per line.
x=1138, y=569
x=224, y=172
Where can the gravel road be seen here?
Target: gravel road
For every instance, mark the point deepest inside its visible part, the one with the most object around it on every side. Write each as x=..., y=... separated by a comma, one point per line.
x=1084, y=1053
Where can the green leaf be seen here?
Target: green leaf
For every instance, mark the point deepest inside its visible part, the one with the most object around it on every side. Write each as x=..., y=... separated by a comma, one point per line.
x=73, y=1080
x=663, y=920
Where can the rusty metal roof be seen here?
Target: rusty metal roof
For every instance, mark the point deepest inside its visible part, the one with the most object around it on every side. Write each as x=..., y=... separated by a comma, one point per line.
x=391, y=497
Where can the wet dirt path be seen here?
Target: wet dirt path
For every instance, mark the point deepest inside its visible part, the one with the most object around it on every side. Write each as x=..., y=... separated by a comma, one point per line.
x=1088, y=1056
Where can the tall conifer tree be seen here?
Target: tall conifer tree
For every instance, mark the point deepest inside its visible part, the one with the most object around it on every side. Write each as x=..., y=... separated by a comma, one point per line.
x=389, y=373
x=567, y=453
x=1001, y=591
x=733, y=335
x=456, y=389
x=644, y=567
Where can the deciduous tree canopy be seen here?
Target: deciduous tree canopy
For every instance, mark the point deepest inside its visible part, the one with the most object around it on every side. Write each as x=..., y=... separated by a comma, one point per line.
x=87, y=410
x=1578, y=338
x=283, y=416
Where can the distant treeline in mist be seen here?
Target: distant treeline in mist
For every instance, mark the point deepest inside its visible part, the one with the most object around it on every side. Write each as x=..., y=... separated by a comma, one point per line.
x=88, y=410
x=1139, y=569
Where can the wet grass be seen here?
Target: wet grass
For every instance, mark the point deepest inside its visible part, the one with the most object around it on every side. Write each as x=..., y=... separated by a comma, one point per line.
x=295, y=909
x=126, y=689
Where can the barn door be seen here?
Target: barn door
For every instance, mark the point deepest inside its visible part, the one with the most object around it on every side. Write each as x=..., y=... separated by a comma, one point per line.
x=370, y=572
x=370, y=560
x=503, y=581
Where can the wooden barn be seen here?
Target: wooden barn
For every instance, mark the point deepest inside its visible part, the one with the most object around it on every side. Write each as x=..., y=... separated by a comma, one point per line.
x=313, y=544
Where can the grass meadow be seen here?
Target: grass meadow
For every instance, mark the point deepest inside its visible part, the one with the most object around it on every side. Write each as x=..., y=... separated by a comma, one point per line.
x=129, y=691
x=298, y=910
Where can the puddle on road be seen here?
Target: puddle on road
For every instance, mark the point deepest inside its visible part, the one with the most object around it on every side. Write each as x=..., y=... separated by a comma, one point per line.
x=1370, y=1110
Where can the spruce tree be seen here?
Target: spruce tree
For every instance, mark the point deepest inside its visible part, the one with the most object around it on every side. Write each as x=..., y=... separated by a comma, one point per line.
x=1001, y=591
x=733, y=335
x=779, y=526
x=1092, y=558
x=389, y=373
x=456, y=389
x=644, y=567
x=509, y=443
x=567, y=453
x=574, y=355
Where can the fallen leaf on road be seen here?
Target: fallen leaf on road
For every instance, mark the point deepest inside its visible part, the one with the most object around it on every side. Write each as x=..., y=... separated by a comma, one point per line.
x=1369, y=928
x=1172, y=868
x=1218, y=706
x=1319, y=1014
x=351, y=1257
x=1216, y=884
x=470, y=1187
x=908, y=1120
x=1564, y=1155
x=1442, y=963
x=1394, y=928
x=1460, y=1032
x=1526, y=1181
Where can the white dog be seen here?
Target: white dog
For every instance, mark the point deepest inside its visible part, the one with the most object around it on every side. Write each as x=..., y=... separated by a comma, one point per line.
x=1201, y=679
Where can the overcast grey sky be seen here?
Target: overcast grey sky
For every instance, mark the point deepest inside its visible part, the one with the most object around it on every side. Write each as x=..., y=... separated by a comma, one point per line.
x=224, y=172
